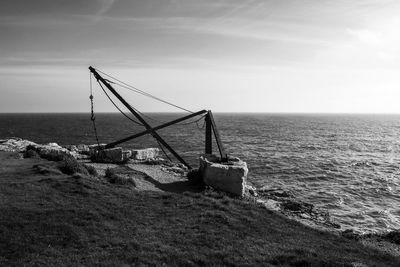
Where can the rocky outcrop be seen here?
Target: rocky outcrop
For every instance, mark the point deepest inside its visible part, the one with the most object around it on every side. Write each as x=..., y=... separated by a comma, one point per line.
x=286, y=203
x=15, y=144
x=229, y=177
x=81, y=149
x=50, y=149
x=46, y=151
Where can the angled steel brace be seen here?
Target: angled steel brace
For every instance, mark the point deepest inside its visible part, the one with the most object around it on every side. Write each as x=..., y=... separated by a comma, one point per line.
x=155, y=129
x=150, y=129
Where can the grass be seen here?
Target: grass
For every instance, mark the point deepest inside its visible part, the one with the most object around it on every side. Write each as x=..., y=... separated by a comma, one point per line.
x=58, y=220
x=115, y=178
x=31, y=153
x=67, y=163
x=91, y=170
x=70, y=165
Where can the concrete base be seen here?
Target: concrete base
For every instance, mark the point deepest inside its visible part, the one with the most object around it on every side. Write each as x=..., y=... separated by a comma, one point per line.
x=229, y=177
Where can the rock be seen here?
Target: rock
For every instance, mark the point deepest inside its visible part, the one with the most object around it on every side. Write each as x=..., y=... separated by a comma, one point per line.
x=126, y=154
x=252, y=190
x=350, y=234
x=81, y=148
x=53, y=145
x=15, y=145
x=234, y=159
x=175, y=170
x=51, y=150
x=95, y=146
x=300, y=207
x=145, y=154
x=269, y=204
x=229, y=177
x=305, y=216
x=71, y=148
x=110, y=155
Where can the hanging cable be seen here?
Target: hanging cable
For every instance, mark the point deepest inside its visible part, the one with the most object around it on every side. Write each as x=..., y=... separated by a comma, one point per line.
x=144, y=115
x=191, y=122
x=123, y=113
x=92, y=117
x=134, y=89
x=202, y=127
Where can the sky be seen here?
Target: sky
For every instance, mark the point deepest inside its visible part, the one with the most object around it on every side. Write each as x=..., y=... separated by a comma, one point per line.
x=307, y=56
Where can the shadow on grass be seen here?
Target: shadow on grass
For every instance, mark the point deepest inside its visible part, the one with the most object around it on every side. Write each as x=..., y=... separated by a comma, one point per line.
x=175, y=187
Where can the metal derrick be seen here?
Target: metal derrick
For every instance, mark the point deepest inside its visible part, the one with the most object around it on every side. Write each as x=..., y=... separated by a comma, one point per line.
x=209, y=122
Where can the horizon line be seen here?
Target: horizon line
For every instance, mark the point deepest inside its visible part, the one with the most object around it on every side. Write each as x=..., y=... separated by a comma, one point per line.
x=217, y=112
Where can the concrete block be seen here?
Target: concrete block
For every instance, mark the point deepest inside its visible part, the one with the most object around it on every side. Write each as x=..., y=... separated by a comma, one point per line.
x=82, y=148
x=110, y=155
x=145, y=154
x=229, y=177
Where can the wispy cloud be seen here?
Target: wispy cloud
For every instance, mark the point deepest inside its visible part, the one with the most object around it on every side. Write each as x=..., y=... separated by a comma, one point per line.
x=105, y=6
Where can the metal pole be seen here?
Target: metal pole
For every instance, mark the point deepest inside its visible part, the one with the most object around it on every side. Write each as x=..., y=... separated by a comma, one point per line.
x=224, y=156
x=208, y=149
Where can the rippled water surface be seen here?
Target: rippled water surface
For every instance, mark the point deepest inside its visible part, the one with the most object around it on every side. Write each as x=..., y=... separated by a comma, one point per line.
x=347, y=164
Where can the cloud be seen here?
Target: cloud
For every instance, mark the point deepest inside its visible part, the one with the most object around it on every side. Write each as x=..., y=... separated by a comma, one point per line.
x=105, y=6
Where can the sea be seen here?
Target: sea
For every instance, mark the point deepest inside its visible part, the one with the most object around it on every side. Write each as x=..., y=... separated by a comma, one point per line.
x=346, y=164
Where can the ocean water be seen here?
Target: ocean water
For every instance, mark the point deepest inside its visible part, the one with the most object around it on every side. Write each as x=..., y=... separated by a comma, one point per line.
x=346, y=164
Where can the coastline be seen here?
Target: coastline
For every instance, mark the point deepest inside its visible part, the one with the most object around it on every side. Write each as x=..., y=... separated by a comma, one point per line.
x=159, y=179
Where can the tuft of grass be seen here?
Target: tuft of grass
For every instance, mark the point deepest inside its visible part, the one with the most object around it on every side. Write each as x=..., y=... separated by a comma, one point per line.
x=70, y=165
x=31, y=154
x=121, y=180
x=114, y=178
x=91, y=170
x=55, y=155
x=109, y=172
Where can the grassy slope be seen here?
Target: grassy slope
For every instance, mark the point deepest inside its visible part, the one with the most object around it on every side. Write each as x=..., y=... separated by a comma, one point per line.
x=59, y=220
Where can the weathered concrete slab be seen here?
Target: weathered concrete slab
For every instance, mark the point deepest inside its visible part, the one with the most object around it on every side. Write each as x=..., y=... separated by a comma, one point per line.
x=229, y=177
x=145, y=154
x=110, y=155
